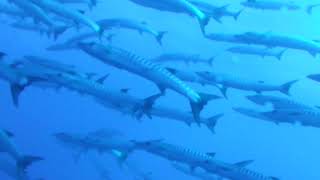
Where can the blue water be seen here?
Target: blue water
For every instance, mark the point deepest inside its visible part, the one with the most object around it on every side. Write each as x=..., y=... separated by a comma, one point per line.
x=289, y=152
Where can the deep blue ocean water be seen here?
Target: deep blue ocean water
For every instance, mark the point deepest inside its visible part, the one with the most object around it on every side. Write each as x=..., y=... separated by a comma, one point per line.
x=289, y=152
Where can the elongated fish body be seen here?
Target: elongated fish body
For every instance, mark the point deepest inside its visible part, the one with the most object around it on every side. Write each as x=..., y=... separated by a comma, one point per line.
x=72, y=42
x=68, y=13
x=179, y=6
x=277, y=118
x=215, y=12
x=184, y=58
x=11, y=11
x=32, y=27
x=194, y=173
x=279, y=103
x=270, y=5
x=269, y=40
x=250, y=50
x=243, y=84
x=160, y=76
x=101, y=144
x=131, y=24
x=195, y=159
x=173, y=152
x=274, y=40
x=164, y=112
x=90, y=87
x=36, y=12
x=51, y=64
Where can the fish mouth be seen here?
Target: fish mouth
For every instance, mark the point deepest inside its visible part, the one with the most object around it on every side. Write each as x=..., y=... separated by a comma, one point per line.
x=315, y=77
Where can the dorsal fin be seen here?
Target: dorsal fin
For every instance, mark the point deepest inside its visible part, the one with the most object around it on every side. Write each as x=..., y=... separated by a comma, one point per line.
x=102, y=79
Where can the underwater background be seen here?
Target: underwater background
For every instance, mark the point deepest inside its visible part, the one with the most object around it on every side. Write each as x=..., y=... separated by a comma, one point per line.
x=289, y=152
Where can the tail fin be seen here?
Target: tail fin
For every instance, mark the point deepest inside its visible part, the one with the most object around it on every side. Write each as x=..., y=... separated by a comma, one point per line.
x=280, y=54
x=160, y=36
x=203, y=23
x=212, y=121
x=16, y=90
x=198, y=107
x=146, y=107
x=236, y=15
x=57, y=31
x=26, y=161
x=285, y=88
x=309, y=9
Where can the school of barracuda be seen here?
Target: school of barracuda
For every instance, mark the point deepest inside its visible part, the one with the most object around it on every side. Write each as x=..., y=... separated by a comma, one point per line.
x=54, y=17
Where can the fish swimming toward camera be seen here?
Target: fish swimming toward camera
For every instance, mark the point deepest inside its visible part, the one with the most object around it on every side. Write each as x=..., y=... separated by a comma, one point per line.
x=200, y=160
x=141, y=27
x=269, y=40
x=216, y=12
x=147, y=69
x=258, y=51
x=178, y=6
x=230, y=81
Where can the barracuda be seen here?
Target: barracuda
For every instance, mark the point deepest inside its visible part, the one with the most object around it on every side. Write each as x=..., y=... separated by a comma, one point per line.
x=160, y=76
x=63, y=11
x=179, y=6
x=141, y=27
x=269, y=40
x=229, y=81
